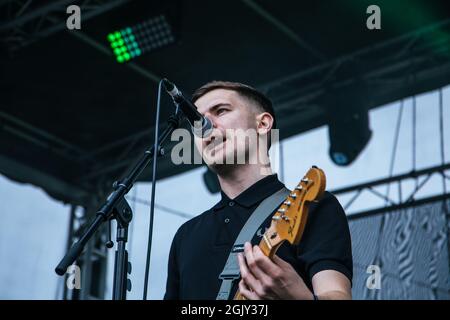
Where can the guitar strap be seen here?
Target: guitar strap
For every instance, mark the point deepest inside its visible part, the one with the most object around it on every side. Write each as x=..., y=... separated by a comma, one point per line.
x=231, y=271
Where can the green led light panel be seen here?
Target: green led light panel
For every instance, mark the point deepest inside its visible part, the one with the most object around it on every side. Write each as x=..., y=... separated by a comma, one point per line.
x=131, y=42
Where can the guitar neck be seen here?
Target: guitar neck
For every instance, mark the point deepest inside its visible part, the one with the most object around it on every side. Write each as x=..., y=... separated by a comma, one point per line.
x=268, y=249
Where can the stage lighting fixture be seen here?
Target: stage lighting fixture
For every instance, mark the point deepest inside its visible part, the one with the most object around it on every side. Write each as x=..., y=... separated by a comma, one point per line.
x=133, y=41
x=348, y=135
x=348, y=125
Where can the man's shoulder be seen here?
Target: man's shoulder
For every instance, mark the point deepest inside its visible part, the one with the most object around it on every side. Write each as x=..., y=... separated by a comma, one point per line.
x=327, y=206
x=328, y=199
x=198, y=219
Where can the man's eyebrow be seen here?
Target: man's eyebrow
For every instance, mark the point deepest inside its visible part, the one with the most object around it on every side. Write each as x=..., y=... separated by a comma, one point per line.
x=218, y=105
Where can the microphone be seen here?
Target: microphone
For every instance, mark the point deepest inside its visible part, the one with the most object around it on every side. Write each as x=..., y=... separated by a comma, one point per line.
x=190, y=111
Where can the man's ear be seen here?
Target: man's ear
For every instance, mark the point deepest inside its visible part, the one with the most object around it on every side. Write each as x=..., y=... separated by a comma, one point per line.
x=264, y=122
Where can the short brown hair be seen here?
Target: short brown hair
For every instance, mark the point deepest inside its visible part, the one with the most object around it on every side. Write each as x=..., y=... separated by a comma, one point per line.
x=243, y=90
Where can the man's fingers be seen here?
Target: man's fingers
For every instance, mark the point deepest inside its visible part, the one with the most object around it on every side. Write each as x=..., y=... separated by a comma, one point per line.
x=246, y=292
x=247, y=276
x=266, y=265
x=265, y=282
x=280, y=262
x=252, y=263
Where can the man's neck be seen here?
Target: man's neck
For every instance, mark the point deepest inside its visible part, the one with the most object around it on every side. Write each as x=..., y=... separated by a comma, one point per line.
x=236, y=180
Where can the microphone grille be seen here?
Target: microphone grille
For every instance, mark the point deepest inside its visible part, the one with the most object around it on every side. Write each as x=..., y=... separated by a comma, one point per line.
x=167, y=84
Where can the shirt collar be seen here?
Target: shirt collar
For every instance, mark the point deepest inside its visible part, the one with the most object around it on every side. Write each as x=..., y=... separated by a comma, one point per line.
x=253, y=194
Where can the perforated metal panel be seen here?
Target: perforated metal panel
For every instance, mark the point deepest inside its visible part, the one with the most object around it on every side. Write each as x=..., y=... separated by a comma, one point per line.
x=411, y=248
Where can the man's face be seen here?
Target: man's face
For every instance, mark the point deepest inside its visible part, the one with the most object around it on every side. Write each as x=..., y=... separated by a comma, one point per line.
x=226, y=110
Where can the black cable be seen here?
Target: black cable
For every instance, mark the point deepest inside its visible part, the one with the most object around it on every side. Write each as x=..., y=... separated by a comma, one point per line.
x=414, y=138
x=441, y=134
x=394, y=148
x=377, y=257
x=161, y=207
x=444, y=183
x=152, y=199
x=131, y=232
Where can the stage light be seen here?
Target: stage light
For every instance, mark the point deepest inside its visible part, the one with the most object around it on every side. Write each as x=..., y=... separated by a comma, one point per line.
x=348, y=123
x=348, y=135
x=133, y=41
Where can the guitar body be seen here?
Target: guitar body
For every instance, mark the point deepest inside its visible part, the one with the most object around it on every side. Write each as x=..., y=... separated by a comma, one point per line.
x=289, y=221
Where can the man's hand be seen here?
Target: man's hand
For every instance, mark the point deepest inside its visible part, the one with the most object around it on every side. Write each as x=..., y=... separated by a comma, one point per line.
x=263, y=278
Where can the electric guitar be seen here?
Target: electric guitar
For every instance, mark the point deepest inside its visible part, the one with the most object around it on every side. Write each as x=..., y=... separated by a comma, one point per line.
x=288, y=223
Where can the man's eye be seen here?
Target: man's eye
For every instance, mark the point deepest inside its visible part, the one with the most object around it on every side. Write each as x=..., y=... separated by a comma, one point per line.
x=220, y=111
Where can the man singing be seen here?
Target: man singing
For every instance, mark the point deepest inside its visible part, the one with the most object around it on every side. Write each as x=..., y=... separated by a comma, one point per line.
x=320, y=267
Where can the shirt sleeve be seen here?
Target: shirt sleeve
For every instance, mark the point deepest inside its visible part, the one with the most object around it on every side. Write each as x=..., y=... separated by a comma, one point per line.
x=173, y=274
x=326, y=242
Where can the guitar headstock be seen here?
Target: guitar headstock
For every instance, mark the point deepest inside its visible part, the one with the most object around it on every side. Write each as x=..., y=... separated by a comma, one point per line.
x=288, y=223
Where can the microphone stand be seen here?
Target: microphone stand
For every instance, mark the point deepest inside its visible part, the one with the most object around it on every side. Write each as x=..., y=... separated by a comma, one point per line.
x=116, y=207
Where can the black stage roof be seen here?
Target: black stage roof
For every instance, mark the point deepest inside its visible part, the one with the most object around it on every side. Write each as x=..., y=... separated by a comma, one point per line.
x=72, y=119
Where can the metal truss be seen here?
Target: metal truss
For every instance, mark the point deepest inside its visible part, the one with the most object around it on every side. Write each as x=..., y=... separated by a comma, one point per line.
x=416, y=59
x=27, y=21
x=420, y=177
x=39, y=137
x=75, y=193
x=92, y=262
x=403, y=200
x=384, y=68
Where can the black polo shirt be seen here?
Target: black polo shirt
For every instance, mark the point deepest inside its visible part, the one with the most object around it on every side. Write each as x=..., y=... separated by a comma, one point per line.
x=201, y=246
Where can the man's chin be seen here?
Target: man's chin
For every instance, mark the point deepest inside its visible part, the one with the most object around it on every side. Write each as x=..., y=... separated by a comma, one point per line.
x=221, y=165
x=220, y=158
x=215, y=161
